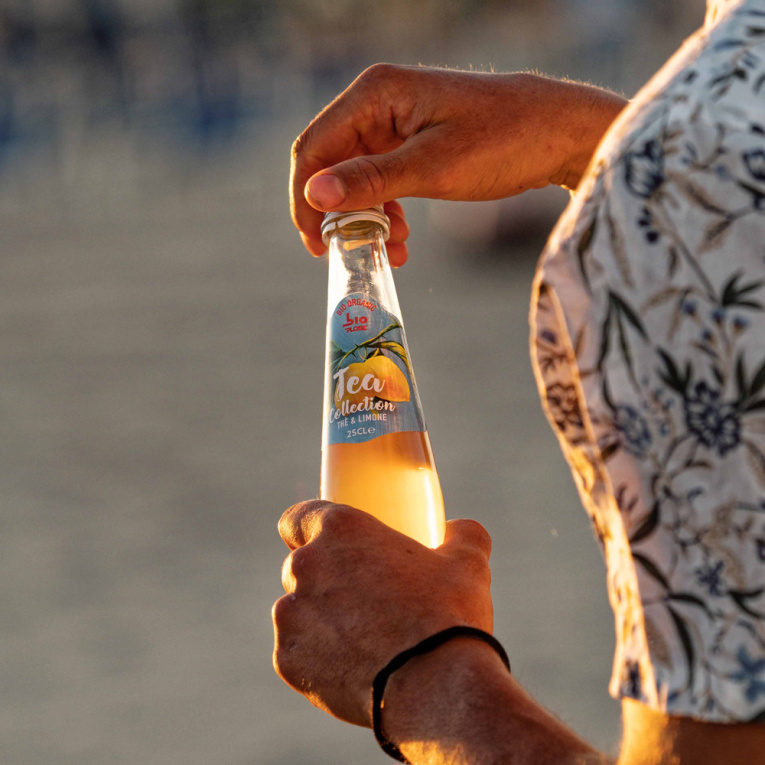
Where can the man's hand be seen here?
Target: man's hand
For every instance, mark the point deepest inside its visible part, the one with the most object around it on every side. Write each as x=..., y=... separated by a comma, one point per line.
x=358, y=593
x=412, y=131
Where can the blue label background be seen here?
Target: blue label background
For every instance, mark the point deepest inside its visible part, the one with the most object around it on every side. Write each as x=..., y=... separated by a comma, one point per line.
x=408, y=414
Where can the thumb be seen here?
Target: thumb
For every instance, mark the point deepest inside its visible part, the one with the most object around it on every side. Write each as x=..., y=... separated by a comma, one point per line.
x=369, y=180
x=465, y=534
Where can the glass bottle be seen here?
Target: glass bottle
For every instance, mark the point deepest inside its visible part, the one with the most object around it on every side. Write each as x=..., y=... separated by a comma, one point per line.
x=376, y=453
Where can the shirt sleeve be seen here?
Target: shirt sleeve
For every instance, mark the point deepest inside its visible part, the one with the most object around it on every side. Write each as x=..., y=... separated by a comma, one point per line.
x=648, y=343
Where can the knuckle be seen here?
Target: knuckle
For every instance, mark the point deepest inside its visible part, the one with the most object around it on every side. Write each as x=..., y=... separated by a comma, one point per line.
x=297, y=145
x=338, y=519
x=288, y=579
x=290, y=518
x=475, y=560
x=371, y=176
x=288, y=664
x=300, y=144
x=283, y=665
x=477, y=531
x=282, y=614
x=472, y=578
x=313, y=505
x=300, y=561
x=474, y=564
x=379, y=72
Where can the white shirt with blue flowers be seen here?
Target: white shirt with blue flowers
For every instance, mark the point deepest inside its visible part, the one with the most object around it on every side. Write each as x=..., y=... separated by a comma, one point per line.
x=648, y=341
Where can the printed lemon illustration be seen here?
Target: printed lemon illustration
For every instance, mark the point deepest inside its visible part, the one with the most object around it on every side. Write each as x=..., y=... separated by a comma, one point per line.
x=396, y=387
x=378, y=376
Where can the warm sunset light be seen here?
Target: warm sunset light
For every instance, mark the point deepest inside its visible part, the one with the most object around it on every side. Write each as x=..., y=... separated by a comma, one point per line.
x=382, y=381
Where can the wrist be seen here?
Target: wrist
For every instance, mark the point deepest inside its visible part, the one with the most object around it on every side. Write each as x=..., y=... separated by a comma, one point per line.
x=584, y=114
x=459, y=704
x=428, y=703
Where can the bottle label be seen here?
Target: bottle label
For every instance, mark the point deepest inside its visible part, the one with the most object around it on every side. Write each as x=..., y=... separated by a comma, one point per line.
x=371, y=387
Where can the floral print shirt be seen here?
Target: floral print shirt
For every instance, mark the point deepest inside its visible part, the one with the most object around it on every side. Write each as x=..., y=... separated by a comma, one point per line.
x=648, y=342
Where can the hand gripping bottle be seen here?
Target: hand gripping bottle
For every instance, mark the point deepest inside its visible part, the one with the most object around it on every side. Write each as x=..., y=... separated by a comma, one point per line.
x=376, y=453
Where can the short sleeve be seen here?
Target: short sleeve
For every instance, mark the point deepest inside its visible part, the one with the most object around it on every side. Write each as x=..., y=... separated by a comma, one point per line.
x=648, y=343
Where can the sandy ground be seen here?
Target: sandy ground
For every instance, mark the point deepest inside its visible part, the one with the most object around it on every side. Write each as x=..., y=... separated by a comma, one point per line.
x=161, y=392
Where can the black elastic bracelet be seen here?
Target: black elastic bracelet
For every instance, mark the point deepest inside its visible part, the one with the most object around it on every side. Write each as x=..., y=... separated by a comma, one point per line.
x=424, y=646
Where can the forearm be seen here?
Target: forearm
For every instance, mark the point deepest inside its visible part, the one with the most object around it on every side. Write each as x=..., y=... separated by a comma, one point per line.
x=581, y=115
x=459, y=705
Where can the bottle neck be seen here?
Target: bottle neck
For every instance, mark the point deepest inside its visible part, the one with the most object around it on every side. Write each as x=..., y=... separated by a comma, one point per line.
x=358, y=263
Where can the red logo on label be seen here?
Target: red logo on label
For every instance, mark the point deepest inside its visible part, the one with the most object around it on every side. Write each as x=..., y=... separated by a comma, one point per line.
x=355, y=323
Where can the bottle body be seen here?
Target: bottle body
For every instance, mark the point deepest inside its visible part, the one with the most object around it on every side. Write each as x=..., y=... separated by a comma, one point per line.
x=376, y=452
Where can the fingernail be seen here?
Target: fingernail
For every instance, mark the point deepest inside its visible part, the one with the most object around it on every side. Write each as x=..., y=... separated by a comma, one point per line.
x=326, y=190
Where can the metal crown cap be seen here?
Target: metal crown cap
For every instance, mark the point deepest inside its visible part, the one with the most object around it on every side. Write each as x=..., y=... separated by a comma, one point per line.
x=334, y=220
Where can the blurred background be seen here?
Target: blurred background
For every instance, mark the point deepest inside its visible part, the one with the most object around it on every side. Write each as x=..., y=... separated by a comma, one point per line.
x=161, y=363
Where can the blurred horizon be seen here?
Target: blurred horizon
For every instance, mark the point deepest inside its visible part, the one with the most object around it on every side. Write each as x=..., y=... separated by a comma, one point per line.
x=163, y=355
x=102, y=101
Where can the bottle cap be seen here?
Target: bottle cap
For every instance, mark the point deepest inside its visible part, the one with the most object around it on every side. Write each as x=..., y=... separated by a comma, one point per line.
x=335, y=220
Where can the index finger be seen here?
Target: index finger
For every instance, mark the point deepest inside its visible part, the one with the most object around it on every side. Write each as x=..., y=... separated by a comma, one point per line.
x=355, y=124
x=330, y=138
x=300, y=523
